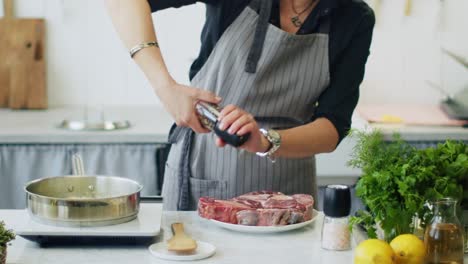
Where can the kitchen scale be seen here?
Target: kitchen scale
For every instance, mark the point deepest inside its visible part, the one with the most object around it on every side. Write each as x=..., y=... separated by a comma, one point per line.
x=142, y=230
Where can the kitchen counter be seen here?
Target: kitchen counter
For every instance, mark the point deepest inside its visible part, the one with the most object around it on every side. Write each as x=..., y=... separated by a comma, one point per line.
x=149, y=125
x=422, y=133
x=298, y=246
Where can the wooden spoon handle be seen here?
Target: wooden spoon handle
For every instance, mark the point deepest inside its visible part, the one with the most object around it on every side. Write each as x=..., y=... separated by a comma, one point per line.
x=8, y=8
x=178, y=228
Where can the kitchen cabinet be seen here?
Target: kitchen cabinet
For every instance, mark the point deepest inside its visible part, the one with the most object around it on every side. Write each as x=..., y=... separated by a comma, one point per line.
x=22, y=163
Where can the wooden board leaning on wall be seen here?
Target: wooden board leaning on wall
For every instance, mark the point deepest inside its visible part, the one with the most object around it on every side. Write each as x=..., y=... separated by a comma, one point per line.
x=22, y=68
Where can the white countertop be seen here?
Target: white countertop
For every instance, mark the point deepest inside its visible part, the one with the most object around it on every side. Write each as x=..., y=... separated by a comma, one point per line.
x=149, y=125
x=298, y=246
x=423, y=133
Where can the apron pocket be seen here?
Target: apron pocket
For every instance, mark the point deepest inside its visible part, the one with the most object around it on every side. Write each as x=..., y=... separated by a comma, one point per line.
x=212, y=188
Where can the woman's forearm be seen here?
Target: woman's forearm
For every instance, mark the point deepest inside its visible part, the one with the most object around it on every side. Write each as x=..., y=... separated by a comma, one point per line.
x=316, y=137
x=134, y=24
x=133, y=21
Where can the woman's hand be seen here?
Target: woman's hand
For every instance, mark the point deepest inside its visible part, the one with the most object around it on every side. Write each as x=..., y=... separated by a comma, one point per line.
x=238, y=121
x=179, y=100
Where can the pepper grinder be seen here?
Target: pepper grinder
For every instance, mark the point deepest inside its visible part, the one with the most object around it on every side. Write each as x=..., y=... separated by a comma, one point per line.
x=336, y=207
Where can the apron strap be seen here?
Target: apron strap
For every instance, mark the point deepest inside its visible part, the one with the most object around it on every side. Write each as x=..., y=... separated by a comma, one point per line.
x=260, y=33
x=175, y=133
x=186, y=135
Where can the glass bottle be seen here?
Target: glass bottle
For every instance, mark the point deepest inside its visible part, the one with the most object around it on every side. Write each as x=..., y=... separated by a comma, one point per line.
x=336, y=207
x=444, y=234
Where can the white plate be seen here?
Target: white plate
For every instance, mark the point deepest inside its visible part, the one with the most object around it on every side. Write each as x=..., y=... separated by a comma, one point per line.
x=204, y=250
x=265, y=229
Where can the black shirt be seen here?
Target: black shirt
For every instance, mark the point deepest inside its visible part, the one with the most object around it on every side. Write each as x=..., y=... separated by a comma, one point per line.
x=351, y=25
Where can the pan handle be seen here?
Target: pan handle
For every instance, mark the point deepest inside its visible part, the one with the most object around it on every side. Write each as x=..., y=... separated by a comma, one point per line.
x=78, y=167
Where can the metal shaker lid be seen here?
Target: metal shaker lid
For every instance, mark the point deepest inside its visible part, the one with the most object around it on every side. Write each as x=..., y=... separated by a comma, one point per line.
x=337, y=201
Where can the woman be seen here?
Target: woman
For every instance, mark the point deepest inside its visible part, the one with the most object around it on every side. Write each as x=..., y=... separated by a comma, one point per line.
x=286, y=71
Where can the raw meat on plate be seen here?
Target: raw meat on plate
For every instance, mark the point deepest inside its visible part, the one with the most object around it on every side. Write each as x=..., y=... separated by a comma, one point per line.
x=280, y=201
x=255, y=199
x=305, y=203
x=221, y=210
x=263, y=208
x=269, y=217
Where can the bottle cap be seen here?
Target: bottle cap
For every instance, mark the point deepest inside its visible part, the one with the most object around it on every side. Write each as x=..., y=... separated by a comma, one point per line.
x=337, y=201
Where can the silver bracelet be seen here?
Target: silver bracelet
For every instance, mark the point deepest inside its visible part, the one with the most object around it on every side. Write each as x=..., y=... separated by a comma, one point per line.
x=141, y=46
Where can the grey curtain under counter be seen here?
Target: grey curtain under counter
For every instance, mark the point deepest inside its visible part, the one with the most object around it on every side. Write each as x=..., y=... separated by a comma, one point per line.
x=20, y=164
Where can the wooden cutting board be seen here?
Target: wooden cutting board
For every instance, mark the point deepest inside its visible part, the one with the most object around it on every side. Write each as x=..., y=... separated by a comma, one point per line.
x=22, y=68
x=4, y=46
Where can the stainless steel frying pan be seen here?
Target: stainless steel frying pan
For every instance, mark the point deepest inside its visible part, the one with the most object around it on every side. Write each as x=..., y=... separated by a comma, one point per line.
x=80, y=200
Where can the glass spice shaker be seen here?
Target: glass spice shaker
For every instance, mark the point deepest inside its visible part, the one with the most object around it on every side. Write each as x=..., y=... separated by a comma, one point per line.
x=444, y=234
x=336, y=207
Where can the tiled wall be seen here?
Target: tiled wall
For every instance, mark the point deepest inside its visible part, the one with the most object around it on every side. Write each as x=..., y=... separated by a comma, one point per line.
x=88, y=65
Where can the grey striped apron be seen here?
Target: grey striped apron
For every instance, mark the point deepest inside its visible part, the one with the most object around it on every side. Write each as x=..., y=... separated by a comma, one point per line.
x=275, y=76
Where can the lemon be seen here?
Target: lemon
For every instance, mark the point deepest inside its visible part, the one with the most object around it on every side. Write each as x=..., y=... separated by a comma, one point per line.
x=374, y=251
x=409, y=249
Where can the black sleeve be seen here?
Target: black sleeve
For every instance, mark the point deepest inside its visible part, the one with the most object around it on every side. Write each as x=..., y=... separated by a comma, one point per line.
x=338, y=101
x=157, y=5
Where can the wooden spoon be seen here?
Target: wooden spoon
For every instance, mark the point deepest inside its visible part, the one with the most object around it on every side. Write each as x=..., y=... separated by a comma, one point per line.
x=180, y=242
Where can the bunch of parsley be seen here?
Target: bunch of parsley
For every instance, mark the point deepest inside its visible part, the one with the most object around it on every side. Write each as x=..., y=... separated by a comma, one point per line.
x=398, y=180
